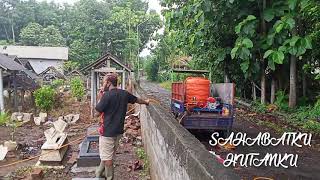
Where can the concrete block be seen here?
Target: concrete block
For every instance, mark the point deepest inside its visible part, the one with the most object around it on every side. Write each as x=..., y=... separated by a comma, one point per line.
x=3, y=152
x=36, y=174
x=68, y=118
x=55, y=142
x=43, y=116
x=53, y=156
x=76, y=117
x=14, y=116
x=49, y=134
x=11, y=145
x=27, y=117
x=37, y=121
x=60, y=125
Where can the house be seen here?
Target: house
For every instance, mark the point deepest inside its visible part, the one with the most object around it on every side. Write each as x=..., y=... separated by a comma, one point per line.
x=38, y=58
x=13, y=78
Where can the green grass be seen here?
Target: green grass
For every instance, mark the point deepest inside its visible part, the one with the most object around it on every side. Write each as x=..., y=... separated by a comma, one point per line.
x=166, y=85
x=146, y=164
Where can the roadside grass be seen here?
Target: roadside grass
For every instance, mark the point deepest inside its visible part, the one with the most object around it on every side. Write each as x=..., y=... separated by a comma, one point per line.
x=146, y=164
x=304, y=118
x=166, y=85
x=273, y=126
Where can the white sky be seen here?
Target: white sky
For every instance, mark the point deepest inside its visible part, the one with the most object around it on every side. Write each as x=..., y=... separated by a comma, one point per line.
x=153, y=4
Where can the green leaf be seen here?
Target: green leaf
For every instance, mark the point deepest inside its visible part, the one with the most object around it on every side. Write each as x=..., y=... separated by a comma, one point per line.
x=233, y=52
x=231, y=1
x=278, y=57
x=267, y=53
x=294, y=40
x=292, y=4
x=271, y=65
x=238, y=28
x=308, y=43
x=293, y=50
x=268, y=15
x=247, y=43
x=291, y=22
x=279, y=27
x=245, y=66
x=282, y=48
x=251, y=17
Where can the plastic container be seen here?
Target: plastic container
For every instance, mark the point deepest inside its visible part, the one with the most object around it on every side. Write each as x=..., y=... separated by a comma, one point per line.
x=197, y=90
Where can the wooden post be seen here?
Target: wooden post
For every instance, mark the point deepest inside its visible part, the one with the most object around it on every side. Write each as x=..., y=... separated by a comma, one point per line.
x=1, y=91
x=124, y=79
x=93, y=92
x=108, y=63
x=15, y=91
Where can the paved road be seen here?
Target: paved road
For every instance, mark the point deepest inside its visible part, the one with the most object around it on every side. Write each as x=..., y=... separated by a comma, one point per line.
x=246, y=122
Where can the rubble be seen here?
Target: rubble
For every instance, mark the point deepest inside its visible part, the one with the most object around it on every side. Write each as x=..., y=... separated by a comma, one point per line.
x=70, y=118
x=132, y=128
x=11, y=145
x=18, y=116
x=37, y=121
x=36, y=174
x=3, y=152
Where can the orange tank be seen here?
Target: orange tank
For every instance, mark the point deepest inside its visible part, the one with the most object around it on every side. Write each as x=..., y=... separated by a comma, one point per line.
x=197, y=90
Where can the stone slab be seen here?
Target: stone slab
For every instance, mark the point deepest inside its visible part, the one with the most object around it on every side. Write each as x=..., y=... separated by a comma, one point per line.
x=55, y=142
x=11, y=145
x=93, y=130
x=3, y=152
x=60, y=125
x=53, y=156
x=76, y=169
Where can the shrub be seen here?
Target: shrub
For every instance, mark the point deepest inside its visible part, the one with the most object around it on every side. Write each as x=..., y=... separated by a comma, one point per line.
x=44, y=98
x=57, y=83
x=282, y=100
x=77, y=88
x=4, y=118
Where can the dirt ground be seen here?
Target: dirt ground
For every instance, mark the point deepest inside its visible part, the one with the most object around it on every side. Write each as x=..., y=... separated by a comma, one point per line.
x=253, y=123
x=31, y=137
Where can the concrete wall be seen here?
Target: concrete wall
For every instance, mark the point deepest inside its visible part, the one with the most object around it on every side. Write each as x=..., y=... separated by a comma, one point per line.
x=173, y=152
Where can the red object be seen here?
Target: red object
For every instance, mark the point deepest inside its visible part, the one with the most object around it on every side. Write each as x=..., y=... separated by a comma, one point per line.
x=201, y=105
x=178, y=91
x=197, y=89
x=211, y=100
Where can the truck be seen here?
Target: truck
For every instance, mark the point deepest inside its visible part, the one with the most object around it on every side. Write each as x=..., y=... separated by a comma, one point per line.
x=199, y=104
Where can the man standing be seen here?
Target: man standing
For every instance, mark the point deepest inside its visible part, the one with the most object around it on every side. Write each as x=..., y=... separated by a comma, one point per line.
x=113, y=104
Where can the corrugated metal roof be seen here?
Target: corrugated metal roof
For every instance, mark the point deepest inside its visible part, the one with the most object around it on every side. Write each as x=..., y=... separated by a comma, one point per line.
x=41, y=65
x=8, y=63
x=36, y=52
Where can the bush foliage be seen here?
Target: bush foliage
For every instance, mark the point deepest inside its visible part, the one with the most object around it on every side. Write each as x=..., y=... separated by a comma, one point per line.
x=44, y=98
x=77, y=88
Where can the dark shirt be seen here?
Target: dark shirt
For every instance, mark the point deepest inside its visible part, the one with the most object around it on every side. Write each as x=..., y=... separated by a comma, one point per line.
x=113, y=105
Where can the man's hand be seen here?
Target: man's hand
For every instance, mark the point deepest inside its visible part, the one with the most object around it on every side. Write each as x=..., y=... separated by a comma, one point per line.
x=142, y=101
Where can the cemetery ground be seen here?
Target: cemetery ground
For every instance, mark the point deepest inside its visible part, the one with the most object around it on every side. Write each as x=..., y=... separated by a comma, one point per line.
x=131, y=162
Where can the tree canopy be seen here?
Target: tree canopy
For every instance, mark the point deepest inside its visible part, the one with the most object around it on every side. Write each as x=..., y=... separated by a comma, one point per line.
x=89, y=27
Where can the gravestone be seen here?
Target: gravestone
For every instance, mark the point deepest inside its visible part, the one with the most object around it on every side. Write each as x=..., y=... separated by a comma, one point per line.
x=89, y=148
x=53, y=150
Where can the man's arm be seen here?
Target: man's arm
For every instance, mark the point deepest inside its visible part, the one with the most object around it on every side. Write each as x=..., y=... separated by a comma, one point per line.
x=143, y=101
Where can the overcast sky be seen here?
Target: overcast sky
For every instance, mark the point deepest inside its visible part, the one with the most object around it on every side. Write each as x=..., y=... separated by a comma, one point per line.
x=153, y=4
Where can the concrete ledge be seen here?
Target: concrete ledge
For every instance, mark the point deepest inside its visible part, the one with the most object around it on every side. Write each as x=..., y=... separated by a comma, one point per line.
x=173, y=152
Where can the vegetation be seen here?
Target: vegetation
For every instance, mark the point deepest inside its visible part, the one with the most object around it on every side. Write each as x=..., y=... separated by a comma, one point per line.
x=57, y=83
x=77, y=88
x=146, y=164
x=88, y=28
x=45, y=98
x=4, y=118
